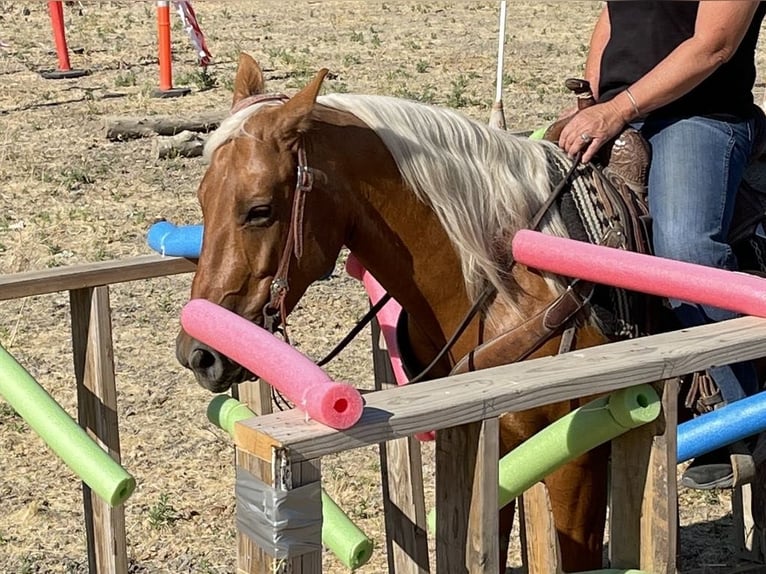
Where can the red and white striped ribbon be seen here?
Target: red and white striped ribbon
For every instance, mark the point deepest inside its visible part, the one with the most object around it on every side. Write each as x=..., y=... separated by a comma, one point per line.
x=190, y=24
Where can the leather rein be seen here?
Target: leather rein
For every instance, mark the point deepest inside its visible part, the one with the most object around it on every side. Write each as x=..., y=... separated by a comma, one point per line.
x=274, y=312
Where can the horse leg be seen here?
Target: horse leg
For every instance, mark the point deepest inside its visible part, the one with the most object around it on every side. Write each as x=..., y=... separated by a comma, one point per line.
x=577, y=491
x=578, y=495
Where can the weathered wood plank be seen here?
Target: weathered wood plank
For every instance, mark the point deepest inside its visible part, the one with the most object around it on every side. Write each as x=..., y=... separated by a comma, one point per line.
x=27, y=284
x=539, y=537
x=643, y=482
x=483, y=548
x=475, y=396
x=401, y=472
x=457, y=454
x=659, y=512
x=467, y=498
x=643, y=516
x=97, y=413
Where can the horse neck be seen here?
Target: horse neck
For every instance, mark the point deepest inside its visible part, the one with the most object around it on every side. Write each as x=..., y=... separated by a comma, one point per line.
x=398, y=239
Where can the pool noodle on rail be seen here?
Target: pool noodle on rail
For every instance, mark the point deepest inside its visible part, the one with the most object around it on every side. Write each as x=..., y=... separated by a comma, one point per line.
x=95, y=467
x=738, y=292
x=337, y=405
x=175, y=240
x=574, y=434
x=727, y=425
x=388, y=316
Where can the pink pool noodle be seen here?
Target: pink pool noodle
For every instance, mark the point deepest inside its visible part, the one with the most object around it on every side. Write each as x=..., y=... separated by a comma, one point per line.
x=337, y=405
x=387, y=319
x=729, y=290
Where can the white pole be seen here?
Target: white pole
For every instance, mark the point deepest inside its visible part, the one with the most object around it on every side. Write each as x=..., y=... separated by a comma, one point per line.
x=497, y=116
x=500, y=49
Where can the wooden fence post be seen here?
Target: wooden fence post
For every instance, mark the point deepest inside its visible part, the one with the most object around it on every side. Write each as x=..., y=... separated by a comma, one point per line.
x=644, y=493
x=401, y=471
x=467, y=498
x=97, y=413
x=280, y=473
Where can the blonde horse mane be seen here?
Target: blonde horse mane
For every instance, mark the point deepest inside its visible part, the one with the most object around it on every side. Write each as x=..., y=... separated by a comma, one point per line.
x=484, y=184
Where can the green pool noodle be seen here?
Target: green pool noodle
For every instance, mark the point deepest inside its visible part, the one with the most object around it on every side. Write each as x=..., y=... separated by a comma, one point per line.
x=538, y=133
x=92, y=464
x=344, y=539
x=572, y=435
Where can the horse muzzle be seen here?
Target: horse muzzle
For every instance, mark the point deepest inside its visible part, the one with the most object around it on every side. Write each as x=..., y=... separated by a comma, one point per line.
x=213, y=370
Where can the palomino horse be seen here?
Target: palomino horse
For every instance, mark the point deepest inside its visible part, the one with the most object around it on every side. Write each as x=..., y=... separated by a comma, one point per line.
x=428, y=202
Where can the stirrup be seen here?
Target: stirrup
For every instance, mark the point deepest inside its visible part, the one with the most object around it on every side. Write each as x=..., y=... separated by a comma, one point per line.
x=740, y=470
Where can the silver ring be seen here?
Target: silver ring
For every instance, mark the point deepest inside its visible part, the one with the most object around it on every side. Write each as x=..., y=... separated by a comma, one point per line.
x=587, y=138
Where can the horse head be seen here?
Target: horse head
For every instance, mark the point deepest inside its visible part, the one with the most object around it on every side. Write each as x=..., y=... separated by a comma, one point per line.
x=260, y=249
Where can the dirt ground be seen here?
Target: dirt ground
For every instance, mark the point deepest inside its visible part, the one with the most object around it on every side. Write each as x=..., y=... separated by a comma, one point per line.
x=68, y=196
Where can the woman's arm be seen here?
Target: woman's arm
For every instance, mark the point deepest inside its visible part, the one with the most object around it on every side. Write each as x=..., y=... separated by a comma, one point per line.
x=720, y=27
x=719, y=30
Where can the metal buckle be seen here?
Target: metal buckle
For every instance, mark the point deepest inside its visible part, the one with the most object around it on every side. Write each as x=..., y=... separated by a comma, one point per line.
x=271, y=318
x=305, y=178
x=277, y=285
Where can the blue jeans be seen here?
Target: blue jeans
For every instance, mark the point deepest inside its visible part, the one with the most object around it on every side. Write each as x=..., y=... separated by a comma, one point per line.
x=697, y=167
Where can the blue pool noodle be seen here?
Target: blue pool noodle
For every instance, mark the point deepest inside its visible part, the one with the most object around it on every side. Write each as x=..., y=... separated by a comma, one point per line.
x=175, y=241
x=736, y=421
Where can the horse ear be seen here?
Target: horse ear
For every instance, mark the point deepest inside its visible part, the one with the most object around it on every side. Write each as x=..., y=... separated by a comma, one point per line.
x=297, y=111
x=248, y=80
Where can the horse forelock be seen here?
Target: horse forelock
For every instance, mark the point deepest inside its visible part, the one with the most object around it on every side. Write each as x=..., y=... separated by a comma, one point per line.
x=233, y=126
x=483, y=183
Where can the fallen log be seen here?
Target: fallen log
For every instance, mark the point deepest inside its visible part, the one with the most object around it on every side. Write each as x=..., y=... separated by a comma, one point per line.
x=126, y=128
x=185, y=144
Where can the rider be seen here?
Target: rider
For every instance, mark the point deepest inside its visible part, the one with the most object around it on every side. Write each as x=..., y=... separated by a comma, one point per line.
x=682, y=73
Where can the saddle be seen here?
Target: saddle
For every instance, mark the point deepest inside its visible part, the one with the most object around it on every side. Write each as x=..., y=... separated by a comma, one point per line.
x=625, y=163
x=618, y=217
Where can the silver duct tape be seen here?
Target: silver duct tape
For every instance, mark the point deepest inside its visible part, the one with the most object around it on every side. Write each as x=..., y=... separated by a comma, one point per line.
x=284, y=523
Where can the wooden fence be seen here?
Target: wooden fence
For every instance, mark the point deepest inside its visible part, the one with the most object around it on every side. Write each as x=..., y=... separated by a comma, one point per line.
x=88, y=287
x=285, y=451
x=463, y=408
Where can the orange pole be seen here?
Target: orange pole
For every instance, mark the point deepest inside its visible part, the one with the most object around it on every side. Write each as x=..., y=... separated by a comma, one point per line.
x=56, y=10
x=163, y=35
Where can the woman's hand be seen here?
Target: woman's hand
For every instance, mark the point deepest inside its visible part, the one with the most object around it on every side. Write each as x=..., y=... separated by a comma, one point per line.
x=590, y=129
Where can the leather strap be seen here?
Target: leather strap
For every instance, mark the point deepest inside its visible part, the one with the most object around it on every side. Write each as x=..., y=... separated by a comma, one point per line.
x=518, y=343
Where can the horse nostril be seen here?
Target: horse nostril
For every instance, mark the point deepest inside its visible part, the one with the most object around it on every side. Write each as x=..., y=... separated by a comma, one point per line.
x=202, y=359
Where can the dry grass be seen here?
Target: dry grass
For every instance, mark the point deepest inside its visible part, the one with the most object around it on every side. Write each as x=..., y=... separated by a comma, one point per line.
x=67, y=196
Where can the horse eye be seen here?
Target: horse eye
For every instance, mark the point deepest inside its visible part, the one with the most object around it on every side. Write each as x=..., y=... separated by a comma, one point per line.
x=258, y=216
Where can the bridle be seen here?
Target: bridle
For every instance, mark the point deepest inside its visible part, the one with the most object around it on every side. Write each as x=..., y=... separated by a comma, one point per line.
x=274, y=311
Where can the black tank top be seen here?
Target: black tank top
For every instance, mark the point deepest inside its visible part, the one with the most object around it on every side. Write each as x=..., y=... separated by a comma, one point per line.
x=644, y=33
